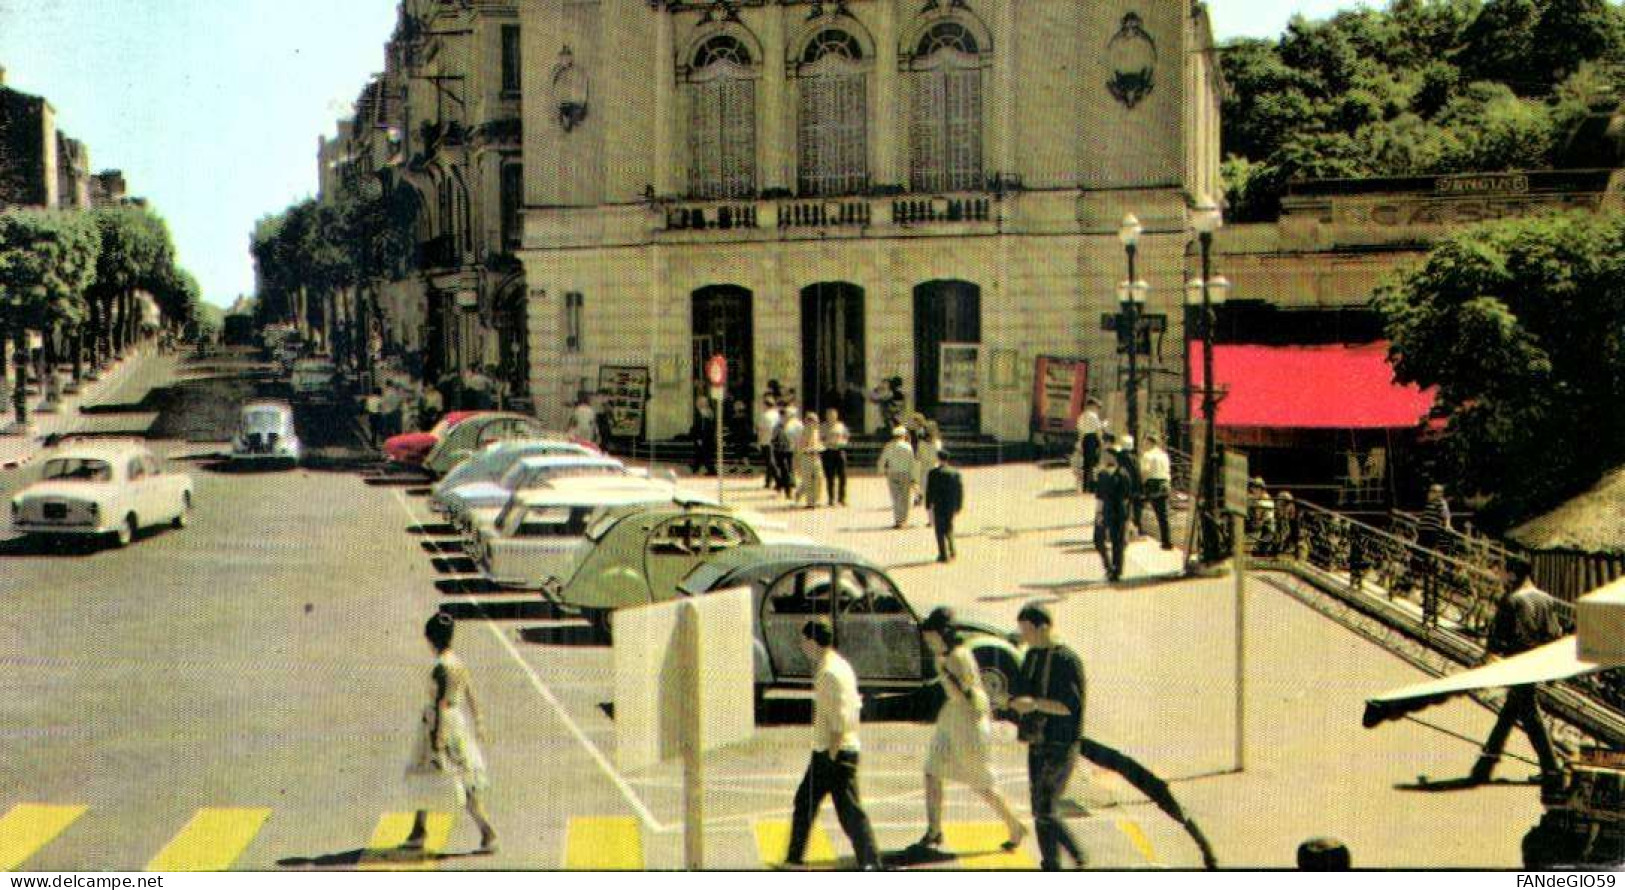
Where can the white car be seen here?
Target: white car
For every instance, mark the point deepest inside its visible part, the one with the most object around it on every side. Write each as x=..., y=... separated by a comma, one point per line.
x=91, y=488
x=265, y=433
x=469, y=507
x=534, y=540
x=494, y=461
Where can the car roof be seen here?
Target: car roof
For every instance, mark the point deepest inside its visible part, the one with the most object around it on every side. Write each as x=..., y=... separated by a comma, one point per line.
x=756, y=561
x=108, y=451
x=598, y=496
x=568, y=459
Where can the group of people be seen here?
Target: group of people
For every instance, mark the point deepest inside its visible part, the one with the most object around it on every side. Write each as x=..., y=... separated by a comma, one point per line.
x=1047, y=696
x=804, y=457
x=1124, y=481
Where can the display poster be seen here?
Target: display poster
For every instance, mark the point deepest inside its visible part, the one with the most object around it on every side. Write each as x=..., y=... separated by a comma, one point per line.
x=959, y=380
x=626, y=398
x=1059, y=389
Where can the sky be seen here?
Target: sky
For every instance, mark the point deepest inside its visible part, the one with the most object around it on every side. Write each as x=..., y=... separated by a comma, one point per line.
x=213, y=108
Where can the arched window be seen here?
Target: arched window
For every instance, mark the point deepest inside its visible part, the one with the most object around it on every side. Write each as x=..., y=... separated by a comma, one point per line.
x=832, y=130
x=945, y=120
x=722, y=120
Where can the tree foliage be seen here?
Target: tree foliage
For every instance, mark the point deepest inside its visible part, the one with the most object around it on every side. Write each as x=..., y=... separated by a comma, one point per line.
x=1521, y=326
x=1421, y=87
x=47, y=262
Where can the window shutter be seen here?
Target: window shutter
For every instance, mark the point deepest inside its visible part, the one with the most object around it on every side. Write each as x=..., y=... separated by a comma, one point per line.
x=737, y=135
x=963, y=131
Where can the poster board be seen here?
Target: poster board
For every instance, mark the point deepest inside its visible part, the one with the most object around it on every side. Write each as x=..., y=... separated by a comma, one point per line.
x=959, y=376
x=1060, y=386
x=626, y=389
x=653, y=669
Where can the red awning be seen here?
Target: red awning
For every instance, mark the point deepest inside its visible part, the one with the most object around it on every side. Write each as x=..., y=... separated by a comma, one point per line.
x=1309, y=387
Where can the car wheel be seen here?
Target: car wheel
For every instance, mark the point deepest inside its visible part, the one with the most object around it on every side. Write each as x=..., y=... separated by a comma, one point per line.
x=126, y=532
x=185, y=516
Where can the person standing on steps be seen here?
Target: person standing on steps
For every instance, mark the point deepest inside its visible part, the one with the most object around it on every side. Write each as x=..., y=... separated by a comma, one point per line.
x=833, y=770
x=944, y=498
x=448, y=743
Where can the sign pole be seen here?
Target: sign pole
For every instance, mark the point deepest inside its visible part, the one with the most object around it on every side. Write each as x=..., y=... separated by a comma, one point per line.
x=722, y=467
x=1238, y=535
x=716, y=373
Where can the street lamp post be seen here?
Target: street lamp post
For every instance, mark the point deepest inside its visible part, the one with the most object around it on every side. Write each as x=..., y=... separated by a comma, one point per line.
x=1208, y=291
x=1130, y=297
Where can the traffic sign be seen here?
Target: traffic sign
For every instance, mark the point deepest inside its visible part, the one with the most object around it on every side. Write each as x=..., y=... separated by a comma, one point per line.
x=1235, y=483
x=716, y=371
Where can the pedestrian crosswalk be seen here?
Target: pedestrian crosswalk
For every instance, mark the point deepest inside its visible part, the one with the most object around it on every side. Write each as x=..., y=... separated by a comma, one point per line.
x=216, y=839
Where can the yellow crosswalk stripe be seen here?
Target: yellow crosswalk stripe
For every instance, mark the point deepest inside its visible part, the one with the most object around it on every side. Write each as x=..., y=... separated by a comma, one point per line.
x=603, y=843
x=773, y=839
x=977, y=846
x=29, y=826
x=212, y=841
x=1131, y=830
x=384, y=853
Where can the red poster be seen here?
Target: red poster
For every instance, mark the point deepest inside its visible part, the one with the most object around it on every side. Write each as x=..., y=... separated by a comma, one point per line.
x=1059, y=388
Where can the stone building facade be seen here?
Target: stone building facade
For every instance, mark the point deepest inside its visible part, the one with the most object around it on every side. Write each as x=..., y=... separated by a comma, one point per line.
x=828, y=193
x=28, y=151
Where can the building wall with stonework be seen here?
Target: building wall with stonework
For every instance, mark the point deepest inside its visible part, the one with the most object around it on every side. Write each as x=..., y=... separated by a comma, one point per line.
x=73, y=173
x=984, y=154
x=28, y=151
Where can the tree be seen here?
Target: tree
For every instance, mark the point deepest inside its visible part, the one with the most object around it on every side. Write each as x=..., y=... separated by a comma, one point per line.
x=135, y=248
x=47, y=263
x=1518, y=325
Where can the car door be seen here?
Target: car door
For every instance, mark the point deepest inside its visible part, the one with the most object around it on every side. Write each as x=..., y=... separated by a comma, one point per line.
x=163, y=494
x=136, y=494
x=790, y=602
x=874, y=627
x=672, y=549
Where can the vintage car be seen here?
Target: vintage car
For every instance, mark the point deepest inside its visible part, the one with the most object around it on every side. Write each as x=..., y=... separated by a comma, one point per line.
x=475, y=433
x=535, y=540
x=411, y=448
x=265, y=432
x=637, y=555
x=492, y=463
x=112, y=488
x=470, y=508
x=876, y=628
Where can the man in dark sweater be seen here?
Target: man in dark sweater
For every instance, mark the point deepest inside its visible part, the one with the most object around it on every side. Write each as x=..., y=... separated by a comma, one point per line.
x=1114, y=491
x=944, y=498
x=1525, y=619
x=1049, y=699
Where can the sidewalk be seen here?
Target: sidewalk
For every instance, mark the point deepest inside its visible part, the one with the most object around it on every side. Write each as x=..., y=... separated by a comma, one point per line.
x=16, y=450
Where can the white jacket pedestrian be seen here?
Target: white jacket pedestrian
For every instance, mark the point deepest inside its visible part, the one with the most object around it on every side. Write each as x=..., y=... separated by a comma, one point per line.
x=897, y=465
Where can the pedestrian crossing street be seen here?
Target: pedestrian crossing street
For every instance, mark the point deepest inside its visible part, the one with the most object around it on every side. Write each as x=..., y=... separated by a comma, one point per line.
x=215, y=838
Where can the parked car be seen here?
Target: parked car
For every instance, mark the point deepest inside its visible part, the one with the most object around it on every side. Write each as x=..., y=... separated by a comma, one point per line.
x=489, y=465
x=637, y=555
x=475, y=433
x=265, y=432
x=313, y=379
x=475, y=506
x=876, y=628
x=411, y=448
x=538, y=537
x=101, y=488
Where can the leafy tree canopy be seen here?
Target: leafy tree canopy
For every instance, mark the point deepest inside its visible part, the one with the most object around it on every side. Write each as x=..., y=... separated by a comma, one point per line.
x=47, y=262
x=1521, y=326
x=1421, y=87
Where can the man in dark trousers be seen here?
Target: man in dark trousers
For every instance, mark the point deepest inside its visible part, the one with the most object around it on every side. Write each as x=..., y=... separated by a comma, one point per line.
x=1525, y=619
x=1114, y=491
x=1049, y=699
x=833, y=771
x=944, y=498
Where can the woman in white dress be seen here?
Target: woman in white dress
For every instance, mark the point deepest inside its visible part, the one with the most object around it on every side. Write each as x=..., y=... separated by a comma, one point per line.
x=925, y=457
x=961, y=749
x=448, y=745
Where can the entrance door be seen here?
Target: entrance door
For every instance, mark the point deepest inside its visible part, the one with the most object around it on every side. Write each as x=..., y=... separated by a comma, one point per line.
x=945, y=312
x=832, y=358
x=723, y=326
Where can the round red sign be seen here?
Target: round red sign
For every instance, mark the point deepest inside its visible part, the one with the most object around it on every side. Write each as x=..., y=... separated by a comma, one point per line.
x=716, y=370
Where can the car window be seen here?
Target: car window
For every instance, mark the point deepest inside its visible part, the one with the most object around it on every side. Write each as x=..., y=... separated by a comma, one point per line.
x=728, y=533
x=677, y=537
x=73, y=469
x=867, y=592
x=134, y=470
x=546, y=522
x=599, y=525
x=801, y=592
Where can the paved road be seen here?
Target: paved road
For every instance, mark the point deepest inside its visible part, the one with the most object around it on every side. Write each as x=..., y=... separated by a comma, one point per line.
x=241, y=694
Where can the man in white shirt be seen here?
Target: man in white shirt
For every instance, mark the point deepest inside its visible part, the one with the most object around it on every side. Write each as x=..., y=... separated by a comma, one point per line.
x=1156, y=481
x=897, y=465
x=766, y=422
x=1090, y=428
x=833, y=771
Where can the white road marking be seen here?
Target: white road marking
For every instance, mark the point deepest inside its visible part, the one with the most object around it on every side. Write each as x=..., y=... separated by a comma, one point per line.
x=547, y=695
